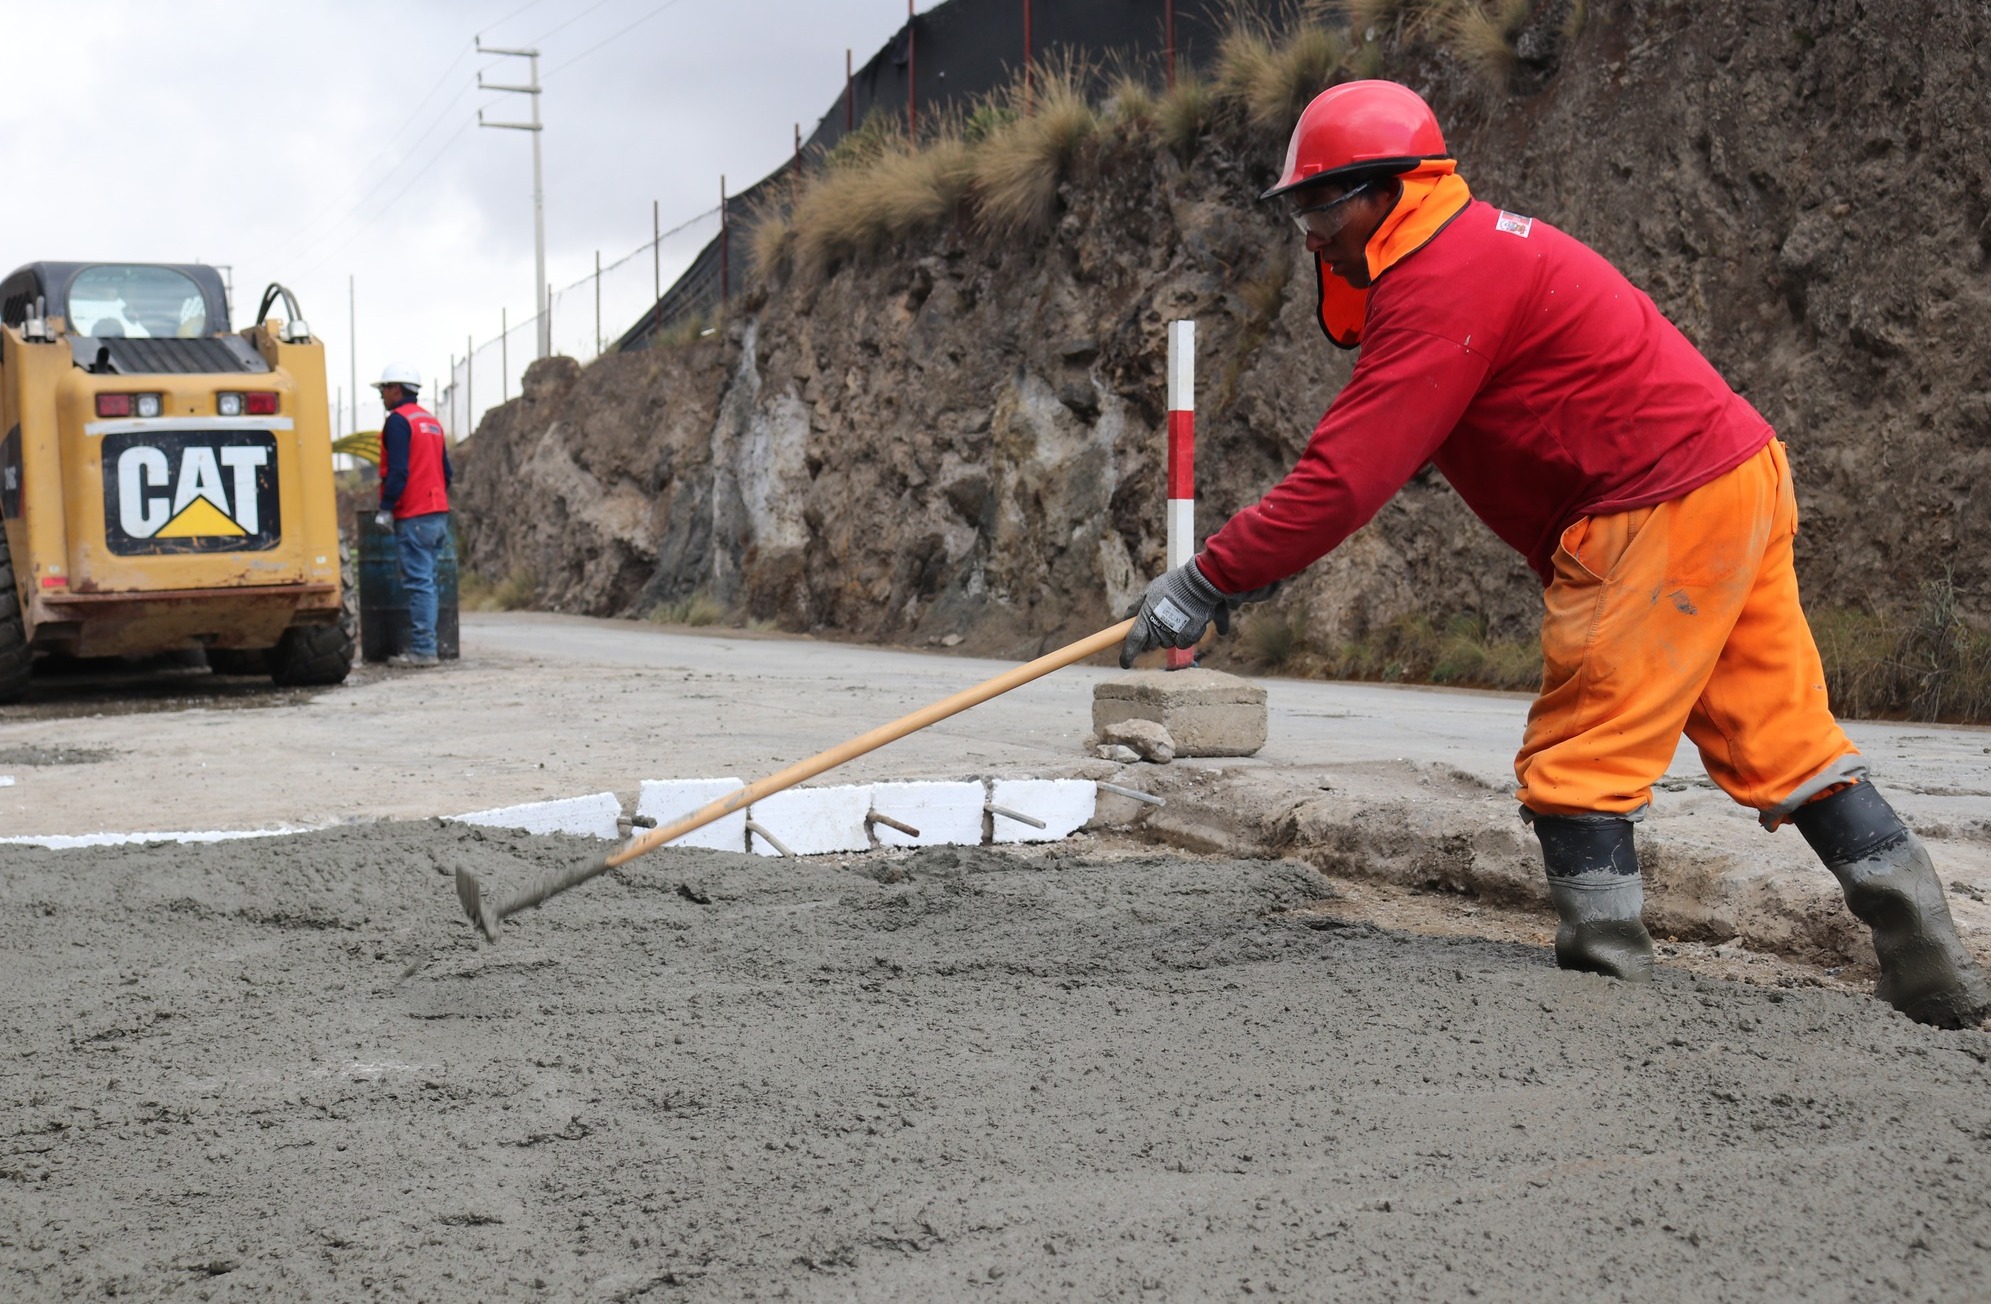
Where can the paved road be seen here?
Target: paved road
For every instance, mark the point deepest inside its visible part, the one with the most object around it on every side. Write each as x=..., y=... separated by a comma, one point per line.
x=548, y=706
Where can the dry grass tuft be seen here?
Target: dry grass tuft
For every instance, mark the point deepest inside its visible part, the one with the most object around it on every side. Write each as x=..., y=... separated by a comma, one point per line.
x=1131, y=102
x=1399, y=17
x=1416, y=649
x=771, y=234
x=1272, y=640
x=1185, y=114
x=697, y=611
x=1932, y=665
x=1272, y=80
x=1481, y=35
x=1017, y=168
x=515, y=592
x=877, y=197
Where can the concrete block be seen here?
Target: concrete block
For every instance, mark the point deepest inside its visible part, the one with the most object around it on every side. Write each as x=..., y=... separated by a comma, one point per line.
x=946, y=814
x=1065, y=806
x=812, y=821
x=1206, y=712
x=669, y=800
x=592, y=816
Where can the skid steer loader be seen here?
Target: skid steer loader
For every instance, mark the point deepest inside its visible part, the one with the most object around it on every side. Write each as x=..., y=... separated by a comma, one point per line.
x=165, y=483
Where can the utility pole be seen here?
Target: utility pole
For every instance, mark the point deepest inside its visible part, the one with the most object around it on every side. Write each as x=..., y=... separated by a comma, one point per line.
x=352, y=346
x=1026, y=58
x=538, y=190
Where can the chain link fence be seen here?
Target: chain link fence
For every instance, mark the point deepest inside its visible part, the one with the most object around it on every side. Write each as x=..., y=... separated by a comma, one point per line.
x=942, y=58
x=588, y=317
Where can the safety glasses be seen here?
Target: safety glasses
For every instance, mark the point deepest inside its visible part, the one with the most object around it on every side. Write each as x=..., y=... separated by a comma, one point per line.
x=1326, y=220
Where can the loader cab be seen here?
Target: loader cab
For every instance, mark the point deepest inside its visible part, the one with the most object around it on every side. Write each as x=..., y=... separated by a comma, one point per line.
x=165, y=481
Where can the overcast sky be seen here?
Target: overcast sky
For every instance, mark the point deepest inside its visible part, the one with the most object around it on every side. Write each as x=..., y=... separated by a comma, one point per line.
x=305, y=141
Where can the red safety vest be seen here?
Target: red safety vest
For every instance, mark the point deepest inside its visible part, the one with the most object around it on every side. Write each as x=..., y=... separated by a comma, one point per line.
x=426, y=492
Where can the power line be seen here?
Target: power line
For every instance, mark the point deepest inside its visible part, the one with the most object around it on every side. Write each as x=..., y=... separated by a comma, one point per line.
x=308, y=231
x=613, y=36
x=381, y=212
x=529, y=4
x=569, y=22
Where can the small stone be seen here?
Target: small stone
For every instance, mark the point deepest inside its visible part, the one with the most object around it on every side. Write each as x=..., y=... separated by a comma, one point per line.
x=1146, y=737
x=1117, y=753
x=950, y=640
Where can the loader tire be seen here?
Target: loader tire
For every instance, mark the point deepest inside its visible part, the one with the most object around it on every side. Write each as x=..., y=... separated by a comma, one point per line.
x=239, y=660
x=318, y=654
x=16, y=657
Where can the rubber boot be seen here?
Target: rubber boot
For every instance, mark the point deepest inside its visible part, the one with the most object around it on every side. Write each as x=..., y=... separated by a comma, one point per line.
x=1892, y=888
x=1593, y=880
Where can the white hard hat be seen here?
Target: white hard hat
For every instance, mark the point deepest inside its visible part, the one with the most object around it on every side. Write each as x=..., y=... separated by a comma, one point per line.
x=405, y=374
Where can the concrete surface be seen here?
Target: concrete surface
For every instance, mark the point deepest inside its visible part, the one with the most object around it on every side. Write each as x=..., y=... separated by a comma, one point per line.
x=284, y=1070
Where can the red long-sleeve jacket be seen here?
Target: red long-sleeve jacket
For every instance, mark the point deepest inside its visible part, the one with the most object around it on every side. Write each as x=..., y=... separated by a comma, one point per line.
x=1541, y=383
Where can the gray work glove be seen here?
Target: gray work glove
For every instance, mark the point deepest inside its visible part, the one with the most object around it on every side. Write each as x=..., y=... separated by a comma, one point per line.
x=1174, y=612
x=384, y=519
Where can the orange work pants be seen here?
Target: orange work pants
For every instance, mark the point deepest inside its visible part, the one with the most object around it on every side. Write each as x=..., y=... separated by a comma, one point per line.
x=1679, y=617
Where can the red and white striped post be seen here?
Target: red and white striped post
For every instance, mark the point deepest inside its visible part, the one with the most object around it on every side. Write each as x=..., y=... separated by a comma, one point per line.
x=1181, y=458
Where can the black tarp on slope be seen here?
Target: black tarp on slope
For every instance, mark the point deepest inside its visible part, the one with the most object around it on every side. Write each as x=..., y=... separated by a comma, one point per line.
x=961, y=49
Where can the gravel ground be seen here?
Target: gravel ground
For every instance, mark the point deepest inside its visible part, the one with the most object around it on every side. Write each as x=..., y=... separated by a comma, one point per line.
x=283, y=1068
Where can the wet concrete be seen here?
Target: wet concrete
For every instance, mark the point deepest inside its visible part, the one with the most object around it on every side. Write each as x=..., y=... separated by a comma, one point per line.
x=1091, y=1071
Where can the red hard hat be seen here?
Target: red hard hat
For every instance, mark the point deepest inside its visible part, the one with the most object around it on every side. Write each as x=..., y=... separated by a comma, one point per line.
x=1360, y=126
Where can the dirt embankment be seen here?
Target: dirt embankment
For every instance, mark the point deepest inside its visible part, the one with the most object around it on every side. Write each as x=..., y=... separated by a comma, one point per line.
x=964, y=438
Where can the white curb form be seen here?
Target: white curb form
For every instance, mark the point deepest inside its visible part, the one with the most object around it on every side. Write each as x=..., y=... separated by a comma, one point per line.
x=1065, y=806
x=592, y=816
x=807, y=821
x=669, y=800
x=946, y=814
x=71, y=841
x=812, y=821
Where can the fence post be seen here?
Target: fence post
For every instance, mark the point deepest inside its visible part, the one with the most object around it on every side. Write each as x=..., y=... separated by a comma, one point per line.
x=725, y=239
x=469, y=378
x=912, y=80
x=597, y=303
x=1026, y=58
x=504, y=355
x=656, y=254
x=849, y=93
x=1168, y=23
x=1181, y=459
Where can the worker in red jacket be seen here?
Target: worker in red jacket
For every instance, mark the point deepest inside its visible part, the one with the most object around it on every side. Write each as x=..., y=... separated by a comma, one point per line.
x=1653, y=501
x=414, y=503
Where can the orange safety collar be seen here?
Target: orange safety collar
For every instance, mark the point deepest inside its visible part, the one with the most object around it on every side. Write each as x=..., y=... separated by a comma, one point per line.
x=1433, y=194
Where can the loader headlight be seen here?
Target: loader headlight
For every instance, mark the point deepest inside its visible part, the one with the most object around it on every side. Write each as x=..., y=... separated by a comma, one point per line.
x=228, y=405
x=146, y=405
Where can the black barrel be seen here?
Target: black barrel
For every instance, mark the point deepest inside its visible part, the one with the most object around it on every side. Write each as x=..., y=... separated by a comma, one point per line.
x=383, y=607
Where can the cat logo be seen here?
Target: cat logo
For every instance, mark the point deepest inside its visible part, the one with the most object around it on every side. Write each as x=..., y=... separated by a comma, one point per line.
x=190, y=491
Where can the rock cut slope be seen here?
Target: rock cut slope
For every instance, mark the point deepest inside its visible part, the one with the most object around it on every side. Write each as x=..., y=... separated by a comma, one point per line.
x=962, y=437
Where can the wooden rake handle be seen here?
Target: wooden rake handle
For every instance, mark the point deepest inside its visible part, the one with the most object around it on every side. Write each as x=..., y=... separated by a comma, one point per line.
x=488, y=915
